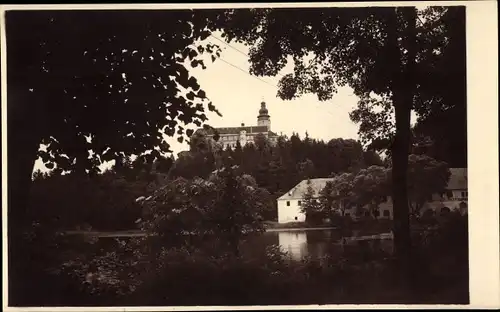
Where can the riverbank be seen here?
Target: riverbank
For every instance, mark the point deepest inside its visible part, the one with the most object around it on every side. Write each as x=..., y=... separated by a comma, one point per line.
x=138, y=233
x=106, y=234
x=373, y=226
x=383, y=224
x=300, y=229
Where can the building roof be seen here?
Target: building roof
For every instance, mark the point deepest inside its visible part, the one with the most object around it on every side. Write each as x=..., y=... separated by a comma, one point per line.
x=458, y=181
x=300, y=189
x=237, y=130
x=263, y=112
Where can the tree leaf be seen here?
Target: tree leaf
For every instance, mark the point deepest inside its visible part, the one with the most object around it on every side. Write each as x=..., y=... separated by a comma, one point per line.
x=201, y=94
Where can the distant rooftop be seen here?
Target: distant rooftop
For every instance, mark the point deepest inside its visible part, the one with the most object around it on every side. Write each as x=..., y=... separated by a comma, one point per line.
x=458, y=181
x=237, y=130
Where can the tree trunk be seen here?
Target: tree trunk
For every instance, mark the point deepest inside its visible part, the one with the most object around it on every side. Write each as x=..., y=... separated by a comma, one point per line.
x=403, y=94
x=400, y=150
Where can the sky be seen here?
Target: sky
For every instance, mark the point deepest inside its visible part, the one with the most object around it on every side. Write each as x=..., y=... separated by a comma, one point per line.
x=237, y=95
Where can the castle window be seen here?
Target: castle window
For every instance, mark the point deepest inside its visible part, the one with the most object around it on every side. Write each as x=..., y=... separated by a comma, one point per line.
x=288, y=203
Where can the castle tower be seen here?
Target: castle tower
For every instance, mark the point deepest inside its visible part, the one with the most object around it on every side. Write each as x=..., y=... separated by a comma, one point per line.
x=264, y=119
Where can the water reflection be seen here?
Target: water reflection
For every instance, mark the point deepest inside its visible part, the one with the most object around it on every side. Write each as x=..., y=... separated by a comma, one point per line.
x=294, y=243
x=319, y=243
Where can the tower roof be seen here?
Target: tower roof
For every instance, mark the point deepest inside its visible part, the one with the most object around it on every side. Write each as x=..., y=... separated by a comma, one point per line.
x=263, y=110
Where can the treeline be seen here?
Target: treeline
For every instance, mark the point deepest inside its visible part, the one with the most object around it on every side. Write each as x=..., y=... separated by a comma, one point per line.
x=106, y=201
x=280, y=167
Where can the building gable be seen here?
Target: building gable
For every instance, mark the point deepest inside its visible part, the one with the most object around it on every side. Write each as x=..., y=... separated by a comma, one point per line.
x=300, y=189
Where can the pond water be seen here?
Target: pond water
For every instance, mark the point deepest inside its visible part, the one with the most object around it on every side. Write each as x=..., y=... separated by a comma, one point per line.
x=315, y=244
x=297, y=244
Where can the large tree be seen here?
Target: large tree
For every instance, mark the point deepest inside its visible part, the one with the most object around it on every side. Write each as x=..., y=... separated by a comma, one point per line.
x=370, y=188
x=441, y=128
x=426, y=177
x=113, y=86
x=329, y=204
x=383, y=53
x=310, y=205
x=94, y=86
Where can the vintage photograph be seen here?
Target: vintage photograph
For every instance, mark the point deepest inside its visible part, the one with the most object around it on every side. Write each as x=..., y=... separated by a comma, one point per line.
x=237, y=156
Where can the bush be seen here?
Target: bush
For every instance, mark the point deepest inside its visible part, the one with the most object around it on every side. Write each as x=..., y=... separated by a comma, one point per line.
x=226, y=205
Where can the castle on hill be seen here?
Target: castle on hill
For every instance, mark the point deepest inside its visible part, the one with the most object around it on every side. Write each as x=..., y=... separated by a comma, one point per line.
x=229, y=136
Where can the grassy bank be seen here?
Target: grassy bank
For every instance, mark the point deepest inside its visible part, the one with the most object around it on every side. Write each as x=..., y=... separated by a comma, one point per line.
x=377, y=225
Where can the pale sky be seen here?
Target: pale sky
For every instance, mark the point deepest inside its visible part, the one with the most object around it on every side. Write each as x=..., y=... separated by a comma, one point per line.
x=237, y=95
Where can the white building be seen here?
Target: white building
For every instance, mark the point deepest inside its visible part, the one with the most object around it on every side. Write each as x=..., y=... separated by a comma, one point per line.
x=229, y=136
x=289, y=204
x=454, y=198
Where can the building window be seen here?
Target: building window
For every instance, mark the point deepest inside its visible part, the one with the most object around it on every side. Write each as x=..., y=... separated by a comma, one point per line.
x=288, y=203
x=296, y=218
x=387, y=213
x=347, y=214
x=376, y=213
x=449, y=194
x=299, y=203
x=464, y=194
